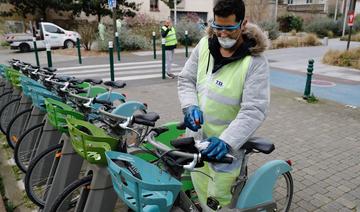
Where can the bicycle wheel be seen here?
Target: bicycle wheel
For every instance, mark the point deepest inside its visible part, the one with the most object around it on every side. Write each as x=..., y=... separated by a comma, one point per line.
x=7, y=113
x=25, y=146
x=15, y=127
x=40, y=174
x=283, y=192
x=5, y=98
x=74, y=196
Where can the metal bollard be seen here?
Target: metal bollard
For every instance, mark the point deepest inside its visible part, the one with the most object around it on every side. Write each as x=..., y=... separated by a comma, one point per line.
x=163, y=41
x=118, y=48
x=186, y=43
x=326, y=41
x=48, y=53
x=154, y=44
x=36, y=52
x=310, y=70
x=78, y=48
x=111, y=57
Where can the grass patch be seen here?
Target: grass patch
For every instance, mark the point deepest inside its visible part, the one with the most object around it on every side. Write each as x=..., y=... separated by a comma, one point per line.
x=349, y=58
x=354, y=37
x=312, y=99
x=296, y=41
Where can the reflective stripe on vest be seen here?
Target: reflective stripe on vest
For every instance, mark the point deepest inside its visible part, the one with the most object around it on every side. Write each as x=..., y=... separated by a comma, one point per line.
x=219, y=94
x=170, y=37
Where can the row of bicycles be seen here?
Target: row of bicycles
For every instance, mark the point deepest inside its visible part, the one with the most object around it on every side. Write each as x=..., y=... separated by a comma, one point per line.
x=84, y=147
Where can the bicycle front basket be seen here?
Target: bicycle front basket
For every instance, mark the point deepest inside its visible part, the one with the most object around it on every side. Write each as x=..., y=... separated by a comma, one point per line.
x=156, y=190
x=89, y=141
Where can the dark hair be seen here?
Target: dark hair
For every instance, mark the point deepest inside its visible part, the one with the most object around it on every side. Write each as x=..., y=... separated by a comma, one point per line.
x=225, y=8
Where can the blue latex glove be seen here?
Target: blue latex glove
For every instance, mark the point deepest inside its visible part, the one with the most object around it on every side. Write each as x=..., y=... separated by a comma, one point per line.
x=193, y=118
x=217, y=148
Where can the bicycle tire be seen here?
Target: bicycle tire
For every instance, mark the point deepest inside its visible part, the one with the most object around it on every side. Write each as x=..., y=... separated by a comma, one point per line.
x=21, y=160
x=4, y=97
x=11, y=137
x=6, y=116
x=31, y=173
x=83, y=182
x=289, y=192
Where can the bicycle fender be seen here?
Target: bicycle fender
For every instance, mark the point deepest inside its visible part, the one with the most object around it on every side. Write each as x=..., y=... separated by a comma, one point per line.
x=259, y=187
x=128, y=108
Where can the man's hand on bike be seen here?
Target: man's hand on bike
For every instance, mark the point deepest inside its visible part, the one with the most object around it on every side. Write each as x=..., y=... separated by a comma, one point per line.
x=193, y=118
x=217, y=148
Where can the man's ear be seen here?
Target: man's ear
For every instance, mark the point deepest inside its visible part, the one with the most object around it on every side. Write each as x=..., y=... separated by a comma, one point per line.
x=243, y=24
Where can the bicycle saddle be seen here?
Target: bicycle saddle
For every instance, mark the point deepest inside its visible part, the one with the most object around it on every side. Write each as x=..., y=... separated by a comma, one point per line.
x=115, y=84
x=147, y=119
x=93, y=81
x=51, y=70
x=63, y=78
x=260, y=144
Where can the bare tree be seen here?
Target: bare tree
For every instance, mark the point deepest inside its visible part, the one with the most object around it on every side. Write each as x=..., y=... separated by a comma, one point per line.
x=258, y=10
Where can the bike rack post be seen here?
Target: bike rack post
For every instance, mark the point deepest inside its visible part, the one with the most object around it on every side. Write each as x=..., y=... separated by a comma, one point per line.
x=48, y=53
x=111, y=58
x=163, y=41
x=310, y=70
x=20, y=124
x=118, y=47
x=50, y=136
x=78, y=49
x=186, y=44
x=36, y=52
x=102, y=196
x=66, y=171
x=154, y=44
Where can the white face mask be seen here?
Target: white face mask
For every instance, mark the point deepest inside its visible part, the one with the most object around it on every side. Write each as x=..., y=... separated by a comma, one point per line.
x=226, y=42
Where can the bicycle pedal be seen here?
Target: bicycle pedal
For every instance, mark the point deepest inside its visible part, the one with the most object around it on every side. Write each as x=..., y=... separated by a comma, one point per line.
x=213, y=203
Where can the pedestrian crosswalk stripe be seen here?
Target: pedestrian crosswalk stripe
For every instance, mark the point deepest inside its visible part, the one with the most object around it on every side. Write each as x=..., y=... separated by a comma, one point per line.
x=107, y=65
x=138, y=77
x=140, y=73
x=108, y=69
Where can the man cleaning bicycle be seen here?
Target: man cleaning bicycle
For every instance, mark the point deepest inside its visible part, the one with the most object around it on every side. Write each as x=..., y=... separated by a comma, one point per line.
x=224, y=93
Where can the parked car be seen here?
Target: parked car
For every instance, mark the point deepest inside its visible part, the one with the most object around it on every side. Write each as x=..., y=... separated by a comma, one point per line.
x=48, y=33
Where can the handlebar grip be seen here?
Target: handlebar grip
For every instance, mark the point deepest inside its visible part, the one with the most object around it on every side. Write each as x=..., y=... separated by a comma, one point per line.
x=141, y=121
x=181, y=126
x=222, y=160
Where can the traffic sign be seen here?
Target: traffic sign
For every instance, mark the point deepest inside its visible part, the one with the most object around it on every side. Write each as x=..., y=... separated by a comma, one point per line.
x=112, y=4
x=351, y=18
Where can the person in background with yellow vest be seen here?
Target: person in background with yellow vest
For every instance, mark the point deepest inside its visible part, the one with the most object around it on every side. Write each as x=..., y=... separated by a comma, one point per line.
x=169, y=33
x=224, y=94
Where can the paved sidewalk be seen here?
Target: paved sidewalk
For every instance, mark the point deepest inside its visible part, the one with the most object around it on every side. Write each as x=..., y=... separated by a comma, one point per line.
x=2, y=206
x=322, y=140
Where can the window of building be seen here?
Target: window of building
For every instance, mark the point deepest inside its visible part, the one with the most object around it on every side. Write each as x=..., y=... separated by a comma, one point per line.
x=309, y=1
x=290, y=1
x=154, y=5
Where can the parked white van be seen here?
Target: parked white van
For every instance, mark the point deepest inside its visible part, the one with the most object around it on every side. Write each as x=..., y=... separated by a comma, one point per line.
x=49, y=33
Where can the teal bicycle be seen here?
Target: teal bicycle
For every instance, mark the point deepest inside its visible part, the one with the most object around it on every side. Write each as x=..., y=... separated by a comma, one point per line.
x=146, y=187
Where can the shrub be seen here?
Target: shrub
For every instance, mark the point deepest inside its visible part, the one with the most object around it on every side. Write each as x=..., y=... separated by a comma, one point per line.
x=356, y=26
x=354, y=37
x=285, y=42
x=88, y=34
x=128, y=40
x=194, y=31
x=271, y=27
x=350, y=58
x=142, y=24
x=324, y=27
x=289, y=22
